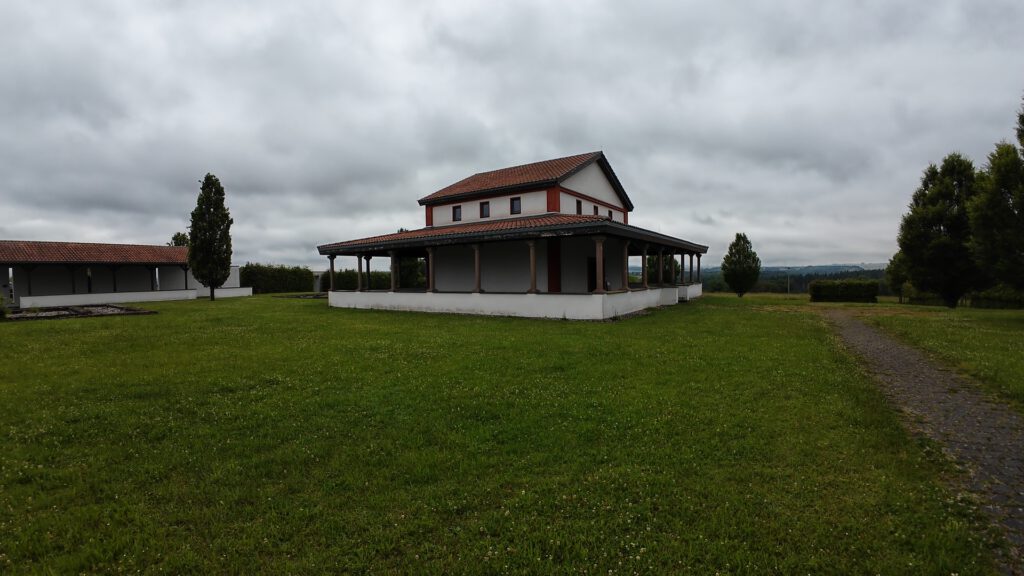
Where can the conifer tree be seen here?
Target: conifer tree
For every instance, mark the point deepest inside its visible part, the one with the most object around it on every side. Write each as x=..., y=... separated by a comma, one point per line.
x=741, y=267
x=209, y=247
x=935, y=234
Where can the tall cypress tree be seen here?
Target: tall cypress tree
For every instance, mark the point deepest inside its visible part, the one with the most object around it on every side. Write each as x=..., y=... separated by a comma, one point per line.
x=209, y=246
x=741, y=267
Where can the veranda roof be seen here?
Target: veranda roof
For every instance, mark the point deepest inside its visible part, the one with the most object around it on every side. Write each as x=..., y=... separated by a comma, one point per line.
x=15, y=252
x=542, y=226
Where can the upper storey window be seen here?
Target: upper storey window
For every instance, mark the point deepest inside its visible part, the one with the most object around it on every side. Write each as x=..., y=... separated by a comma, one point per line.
x=456, y=213
x=485, y=209
x=579, y=206
x=515, y=205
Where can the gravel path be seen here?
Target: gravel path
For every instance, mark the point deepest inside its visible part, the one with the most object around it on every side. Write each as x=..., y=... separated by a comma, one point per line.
x=984, y=437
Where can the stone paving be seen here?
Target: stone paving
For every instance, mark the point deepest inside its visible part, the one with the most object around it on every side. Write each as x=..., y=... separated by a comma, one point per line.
x=983, y=436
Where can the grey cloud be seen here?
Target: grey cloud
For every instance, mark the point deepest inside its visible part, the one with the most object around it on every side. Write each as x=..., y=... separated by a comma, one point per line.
x=805, y=125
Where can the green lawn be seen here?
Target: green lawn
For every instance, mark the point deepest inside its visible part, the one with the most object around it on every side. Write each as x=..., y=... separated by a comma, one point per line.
x=272, y=435
x=985, y=344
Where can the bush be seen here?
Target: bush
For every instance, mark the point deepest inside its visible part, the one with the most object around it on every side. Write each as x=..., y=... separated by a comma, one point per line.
x=346, y=280
x=921, y=298
x=844, y=291
x=268, y=278
x=1001, y=296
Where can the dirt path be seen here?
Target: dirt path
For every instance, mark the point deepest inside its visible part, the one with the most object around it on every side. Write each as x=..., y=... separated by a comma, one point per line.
x=984, y=437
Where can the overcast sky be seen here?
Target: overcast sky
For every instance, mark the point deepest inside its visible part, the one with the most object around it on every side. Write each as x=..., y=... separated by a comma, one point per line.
x=804, y=124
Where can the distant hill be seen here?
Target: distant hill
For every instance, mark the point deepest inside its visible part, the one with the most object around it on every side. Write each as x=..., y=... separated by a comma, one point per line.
x=809, y=270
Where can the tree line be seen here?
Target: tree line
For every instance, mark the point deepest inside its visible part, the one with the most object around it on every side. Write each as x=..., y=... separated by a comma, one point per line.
x=964, y=229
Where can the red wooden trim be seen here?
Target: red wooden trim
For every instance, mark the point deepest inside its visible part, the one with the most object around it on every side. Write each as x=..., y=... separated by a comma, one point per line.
x=625, y=217
x=554, y=200
x=554, y=265
x=430, y=215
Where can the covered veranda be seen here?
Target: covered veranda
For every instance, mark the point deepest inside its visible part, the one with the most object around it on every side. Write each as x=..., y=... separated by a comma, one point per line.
x=549, y=266
x=40, y=274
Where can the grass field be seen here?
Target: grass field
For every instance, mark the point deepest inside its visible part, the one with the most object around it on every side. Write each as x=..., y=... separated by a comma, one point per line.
x=985, y=344
x=268, y=435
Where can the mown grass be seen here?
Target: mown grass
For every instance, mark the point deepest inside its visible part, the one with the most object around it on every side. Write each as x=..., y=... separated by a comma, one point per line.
x=267, y=435
x=985, y=344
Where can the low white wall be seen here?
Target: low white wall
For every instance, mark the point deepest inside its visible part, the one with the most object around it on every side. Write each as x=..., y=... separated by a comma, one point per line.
x=204, y=292
x=690, y=291
x=126, y=297
x=569, y=306
x=105, y=298
x=668, y=295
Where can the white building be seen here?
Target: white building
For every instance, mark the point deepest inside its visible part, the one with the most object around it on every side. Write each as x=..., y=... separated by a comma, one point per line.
x=548, y=239
x=47, y=274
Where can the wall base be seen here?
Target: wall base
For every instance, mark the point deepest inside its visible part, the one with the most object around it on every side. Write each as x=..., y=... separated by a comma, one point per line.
x=567, y=306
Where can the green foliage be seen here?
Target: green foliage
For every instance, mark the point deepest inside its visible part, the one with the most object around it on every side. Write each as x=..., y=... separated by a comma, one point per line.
x=670, y=269
x=986, y=344
x=997, y=217
x=896, y=275
x=209, y=249
x=269, y=278
x=935, y=234
x=412, y=273
x=741, y=266
x=844, y=291
x=346, y=280
x=267, y=436
x=179, y=239
x=999, y=296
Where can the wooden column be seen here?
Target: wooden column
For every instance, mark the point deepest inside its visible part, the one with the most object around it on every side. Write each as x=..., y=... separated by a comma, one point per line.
x=430, y=270
x=599, y=261
x=476, y=268
x=698, y=268
x=152, y=278
x=184, y=270
x=367, y=258
x=359, y=273
x=691, y=268
x=533, y=266
x=643, y=268
x=88, y=280
x=661, y=267
x=331, y=272
x=625, y=265
x=394, y=271
x=682, y=268
x=74, y=289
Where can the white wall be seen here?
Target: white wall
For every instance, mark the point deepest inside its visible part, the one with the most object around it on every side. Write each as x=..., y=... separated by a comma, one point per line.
x=105, y=298
x=535, y=202
x=569, y=306
x=454, y=268
x=690, y=292
x=133, y=279
x=592, y=182
x=173, y=278
x=505, y=267
x=567, y=205
x=575, y=252
x=231, y=282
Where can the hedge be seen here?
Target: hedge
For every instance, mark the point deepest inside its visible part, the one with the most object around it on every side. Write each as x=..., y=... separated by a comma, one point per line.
x=844, y=291
x=1001, y=296
x=269, y=278
x=346, y=280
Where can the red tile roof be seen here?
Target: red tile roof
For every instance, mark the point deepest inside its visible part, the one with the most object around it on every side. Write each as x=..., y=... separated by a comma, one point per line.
x=30, y=252
x=505, y=225
x=539, y=173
